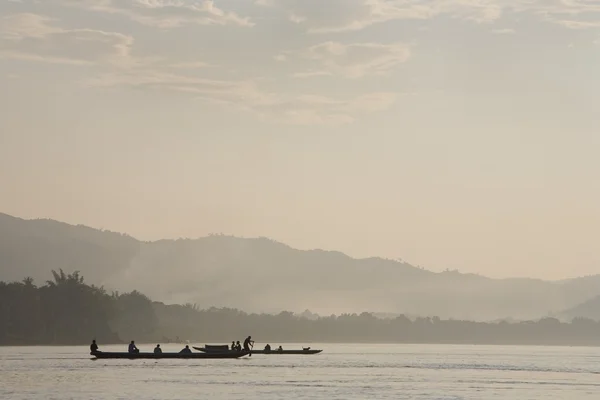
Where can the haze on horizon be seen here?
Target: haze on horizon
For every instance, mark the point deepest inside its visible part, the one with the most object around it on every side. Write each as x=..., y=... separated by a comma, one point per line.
x=452, y=134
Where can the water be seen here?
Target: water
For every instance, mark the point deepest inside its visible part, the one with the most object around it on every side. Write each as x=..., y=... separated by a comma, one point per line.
x=340, y=372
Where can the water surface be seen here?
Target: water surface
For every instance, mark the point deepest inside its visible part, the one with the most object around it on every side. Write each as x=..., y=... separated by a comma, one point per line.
x=341, y=372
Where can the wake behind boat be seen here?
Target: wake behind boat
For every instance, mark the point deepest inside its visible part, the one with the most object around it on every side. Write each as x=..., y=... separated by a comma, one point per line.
x=219, y=349
x=133, y=356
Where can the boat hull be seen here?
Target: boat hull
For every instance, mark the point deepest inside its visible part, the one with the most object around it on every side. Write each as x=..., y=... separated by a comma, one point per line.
x=282, y=352
x=134, y=356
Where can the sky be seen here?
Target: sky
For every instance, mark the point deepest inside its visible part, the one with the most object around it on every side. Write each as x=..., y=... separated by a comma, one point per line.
x=459, y=134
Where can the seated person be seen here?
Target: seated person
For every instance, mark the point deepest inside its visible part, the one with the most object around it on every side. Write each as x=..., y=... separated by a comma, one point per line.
x=280, y=348
x=186, y=350
x=133, y=348
x=93, y=346
x=233, y=346
x=268, y=348
x=157, y=349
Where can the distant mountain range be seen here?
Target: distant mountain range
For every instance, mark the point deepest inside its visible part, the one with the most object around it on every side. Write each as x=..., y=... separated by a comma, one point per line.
x=589, y=309
x=263, y=275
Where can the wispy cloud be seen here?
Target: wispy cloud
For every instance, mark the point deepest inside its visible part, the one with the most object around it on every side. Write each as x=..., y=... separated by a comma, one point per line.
x=311, y=74
x=165, y=13
x=503, y=31
x=36, y=38
x=39, y=38
x=334, y=16
x=352, y=15
x=247, y=95
x=190, y=65
x=352, y=60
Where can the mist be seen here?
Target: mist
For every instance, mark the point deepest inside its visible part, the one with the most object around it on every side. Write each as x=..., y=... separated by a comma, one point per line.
x=262, y=275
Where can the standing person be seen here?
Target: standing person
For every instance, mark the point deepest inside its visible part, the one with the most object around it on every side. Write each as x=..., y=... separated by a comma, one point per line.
x=132, y=348
x=93, y=346
x=157, y=349
x=248, y=342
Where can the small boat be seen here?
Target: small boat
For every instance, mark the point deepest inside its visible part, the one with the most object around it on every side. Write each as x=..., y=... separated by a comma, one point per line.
x=133, y=356
x=216, y=347
x=210, y=349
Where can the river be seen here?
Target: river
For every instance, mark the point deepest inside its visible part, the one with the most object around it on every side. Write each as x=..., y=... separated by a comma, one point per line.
x=342, y=371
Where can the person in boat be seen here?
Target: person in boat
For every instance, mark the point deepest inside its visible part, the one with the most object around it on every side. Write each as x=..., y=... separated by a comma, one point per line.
x=238, y=346
x=93, y=346
x=133, y=348
x=280, y=348
x=268, y=348
x=157, y=349
x=233, y=346
x=186, y=350
x=248, y=342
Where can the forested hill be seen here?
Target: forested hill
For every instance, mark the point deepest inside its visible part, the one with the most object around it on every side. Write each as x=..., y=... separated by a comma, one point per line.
x=264, y=275
x=67, y=311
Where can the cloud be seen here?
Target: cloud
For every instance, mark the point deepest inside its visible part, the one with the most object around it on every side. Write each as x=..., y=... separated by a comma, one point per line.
x=26, y=25
x=35, y=38
x=352, y=60
x=190, y=65
x=572, y=14
x=311, y=74
x=351, y=15
x=334, y=16
x=117, y=63
x=574, y=24
x=165, y=13
x=504, y=31
x=321, y=110
x=247, y=95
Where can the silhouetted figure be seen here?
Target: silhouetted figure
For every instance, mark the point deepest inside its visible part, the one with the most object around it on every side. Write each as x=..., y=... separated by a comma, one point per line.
x=280, y=348
x=268, y=348
x=233, y=347
x=157, y=349
x=248, y=342
x=93, y=346
x=186, y=350
x=133, y=348
x=238, y=346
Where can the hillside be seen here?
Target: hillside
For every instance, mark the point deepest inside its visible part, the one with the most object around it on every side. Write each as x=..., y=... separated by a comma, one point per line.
x=264, y=275
x=589, y=309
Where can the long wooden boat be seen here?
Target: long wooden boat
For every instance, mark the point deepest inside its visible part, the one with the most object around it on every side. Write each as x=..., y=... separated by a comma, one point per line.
x=134, y=356
x=218, y=349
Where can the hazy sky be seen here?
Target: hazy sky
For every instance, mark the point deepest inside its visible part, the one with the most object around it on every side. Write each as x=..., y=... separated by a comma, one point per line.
x=450, y=133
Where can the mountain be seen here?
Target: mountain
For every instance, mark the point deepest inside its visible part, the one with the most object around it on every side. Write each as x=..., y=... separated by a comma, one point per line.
x=589, y=309
x=263, y=275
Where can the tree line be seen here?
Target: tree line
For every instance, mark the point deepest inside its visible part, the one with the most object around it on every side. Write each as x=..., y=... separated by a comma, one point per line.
x=66, y=310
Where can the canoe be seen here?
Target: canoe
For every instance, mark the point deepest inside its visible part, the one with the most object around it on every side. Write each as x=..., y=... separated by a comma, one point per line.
x=209, y=350
x=217, y=347
x=134, y=356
